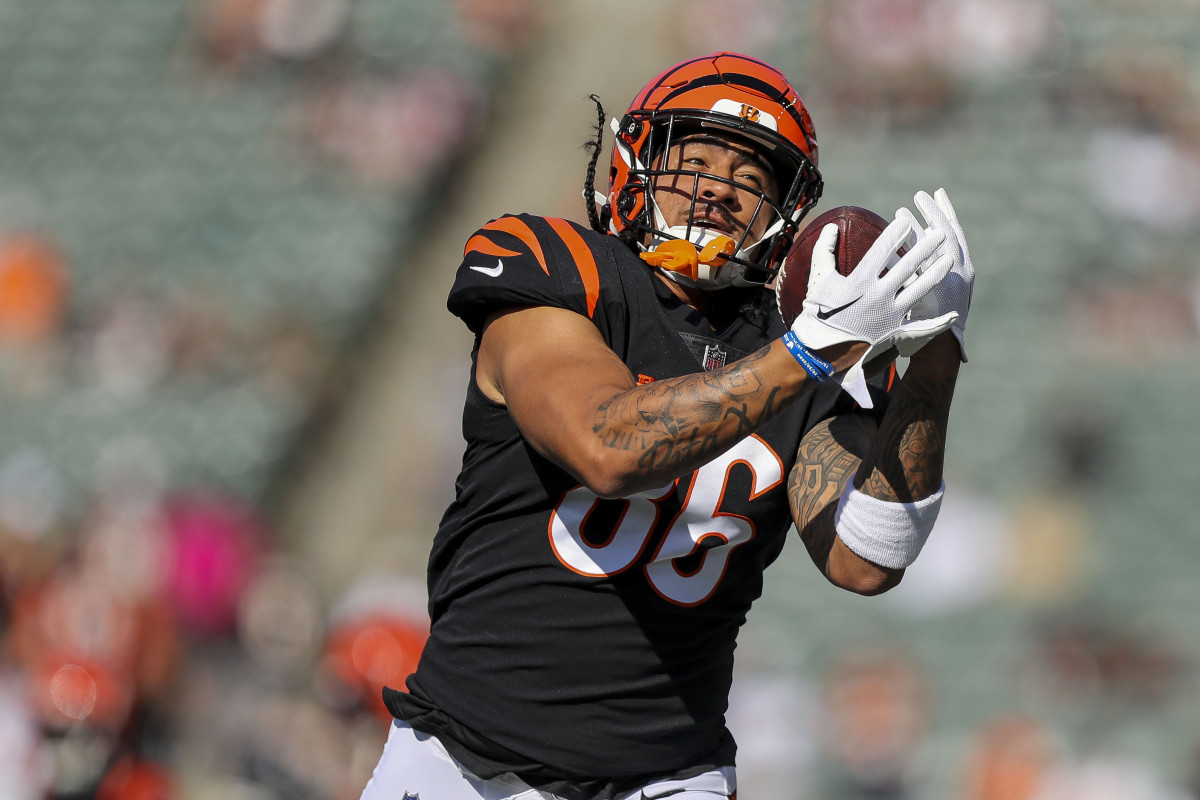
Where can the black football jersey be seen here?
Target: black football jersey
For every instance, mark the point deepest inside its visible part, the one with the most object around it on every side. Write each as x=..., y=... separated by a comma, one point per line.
x=575, y=638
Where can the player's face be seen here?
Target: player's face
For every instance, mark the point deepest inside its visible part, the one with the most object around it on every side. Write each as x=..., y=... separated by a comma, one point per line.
x=718, y=205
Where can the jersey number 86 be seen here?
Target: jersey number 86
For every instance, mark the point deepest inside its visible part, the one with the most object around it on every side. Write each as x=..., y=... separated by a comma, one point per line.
x=697, y=520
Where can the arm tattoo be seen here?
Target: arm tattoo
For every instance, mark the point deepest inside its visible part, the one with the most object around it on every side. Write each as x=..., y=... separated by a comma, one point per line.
x=901, y=458
x=906, y=461
x=828, y=457
x=681, y=423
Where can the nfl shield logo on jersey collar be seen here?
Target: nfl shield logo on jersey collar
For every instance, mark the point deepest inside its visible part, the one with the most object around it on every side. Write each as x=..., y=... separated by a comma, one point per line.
x=714, y=357
x=709, y=353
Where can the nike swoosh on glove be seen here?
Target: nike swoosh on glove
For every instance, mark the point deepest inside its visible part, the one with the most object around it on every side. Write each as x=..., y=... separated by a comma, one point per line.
x=955, y=290
x=872, y=303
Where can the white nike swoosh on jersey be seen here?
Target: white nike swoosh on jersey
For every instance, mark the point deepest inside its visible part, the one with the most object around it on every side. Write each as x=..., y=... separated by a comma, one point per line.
x=491, y=272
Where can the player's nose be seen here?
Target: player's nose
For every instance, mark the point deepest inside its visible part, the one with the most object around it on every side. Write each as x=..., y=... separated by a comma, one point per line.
x=714, y=190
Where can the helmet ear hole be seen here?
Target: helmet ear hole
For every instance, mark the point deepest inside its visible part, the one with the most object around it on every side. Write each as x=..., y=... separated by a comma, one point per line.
x=631, y=126
x=626, y=202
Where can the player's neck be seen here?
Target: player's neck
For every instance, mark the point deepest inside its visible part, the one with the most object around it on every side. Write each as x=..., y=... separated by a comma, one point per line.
x=711, y=305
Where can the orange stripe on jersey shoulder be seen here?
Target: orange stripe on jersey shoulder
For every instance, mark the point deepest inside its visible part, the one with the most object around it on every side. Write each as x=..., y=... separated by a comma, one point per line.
x=585, y=260
x=515, y=227
x=891, y=376
x=481, y=244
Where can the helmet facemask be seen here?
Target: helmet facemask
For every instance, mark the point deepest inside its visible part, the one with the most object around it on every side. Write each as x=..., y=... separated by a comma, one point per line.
x=757, y=244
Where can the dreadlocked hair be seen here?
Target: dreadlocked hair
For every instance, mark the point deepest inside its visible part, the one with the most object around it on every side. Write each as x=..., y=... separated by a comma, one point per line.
x=594, y=148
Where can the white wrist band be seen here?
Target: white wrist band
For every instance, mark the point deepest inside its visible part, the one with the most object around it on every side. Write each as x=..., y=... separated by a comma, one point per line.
x=888, y=534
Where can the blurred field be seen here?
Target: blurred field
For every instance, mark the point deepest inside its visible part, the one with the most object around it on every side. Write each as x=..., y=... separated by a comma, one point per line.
x=229, y=389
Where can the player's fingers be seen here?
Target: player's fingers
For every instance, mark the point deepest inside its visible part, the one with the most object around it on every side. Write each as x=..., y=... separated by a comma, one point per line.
x=917, y=230
x=882, y=255
x=916, y=261
x=937, y=217
x=827, y=240
x=933, y=274
x=904, y=214
x=930, y=210
x=942, y=198
x=823, y=260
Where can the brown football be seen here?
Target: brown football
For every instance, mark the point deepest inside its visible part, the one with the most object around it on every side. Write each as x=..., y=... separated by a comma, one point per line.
x=858, y=228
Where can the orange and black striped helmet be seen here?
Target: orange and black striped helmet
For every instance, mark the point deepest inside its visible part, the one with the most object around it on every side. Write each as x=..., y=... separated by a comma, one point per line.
x=730, y=94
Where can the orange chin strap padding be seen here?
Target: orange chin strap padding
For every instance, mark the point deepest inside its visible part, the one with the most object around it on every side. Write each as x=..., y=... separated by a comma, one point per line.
x=679, y=255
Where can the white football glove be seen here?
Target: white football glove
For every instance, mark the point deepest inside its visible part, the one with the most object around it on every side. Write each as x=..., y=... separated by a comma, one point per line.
x=954, y=292
x=872, y=303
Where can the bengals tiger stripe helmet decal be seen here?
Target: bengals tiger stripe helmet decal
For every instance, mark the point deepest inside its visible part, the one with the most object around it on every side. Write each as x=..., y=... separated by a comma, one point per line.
x=731, y=94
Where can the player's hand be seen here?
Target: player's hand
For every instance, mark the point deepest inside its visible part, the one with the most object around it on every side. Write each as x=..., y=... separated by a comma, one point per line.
x=953, y=293
x=873, y=302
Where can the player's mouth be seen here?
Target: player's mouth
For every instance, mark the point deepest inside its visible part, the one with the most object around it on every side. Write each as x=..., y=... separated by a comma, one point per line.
x=714, y=218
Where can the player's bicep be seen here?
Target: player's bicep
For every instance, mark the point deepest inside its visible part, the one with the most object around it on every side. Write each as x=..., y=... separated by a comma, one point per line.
x=829, y=455
x=552, y=369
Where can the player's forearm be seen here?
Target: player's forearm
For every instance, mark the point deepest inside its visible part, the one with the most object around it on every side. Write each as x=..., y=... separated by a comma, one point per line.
x=825, y=462
x=654, y=433
x=905, y=461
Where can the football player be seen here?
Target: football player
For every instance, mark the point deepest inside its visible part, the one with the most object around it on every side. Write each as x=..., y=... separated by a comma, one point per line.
x=643, y=430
